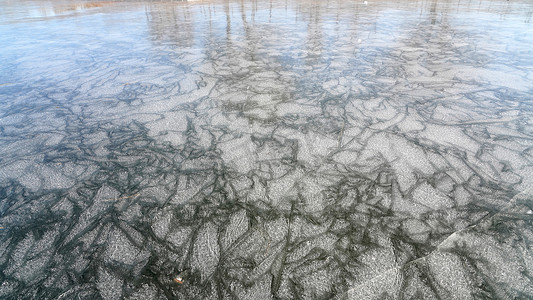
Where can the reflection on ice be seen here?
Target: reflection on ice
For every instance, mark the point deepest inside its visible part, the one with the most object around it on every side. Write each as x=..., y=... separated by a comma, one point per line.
x=257, y=150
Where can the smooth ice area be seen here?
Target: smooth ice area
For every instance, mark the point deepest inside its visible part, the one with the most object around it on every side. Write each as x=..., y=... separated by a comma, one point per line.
x=275, y=149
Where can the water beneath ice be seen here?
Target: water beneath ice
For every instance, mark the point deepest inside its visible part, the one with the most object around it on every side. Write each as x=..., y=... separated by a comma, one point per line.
x=266, y=149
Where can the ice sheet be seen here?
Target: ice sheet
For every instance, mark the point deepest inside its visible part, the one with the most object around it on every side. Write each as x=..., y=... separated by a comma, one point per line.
x=266, y=149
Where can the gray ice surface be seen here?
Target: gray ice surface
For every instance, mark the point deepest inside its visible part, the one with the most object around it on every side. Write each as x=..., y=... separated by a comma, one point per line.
x=266, y=149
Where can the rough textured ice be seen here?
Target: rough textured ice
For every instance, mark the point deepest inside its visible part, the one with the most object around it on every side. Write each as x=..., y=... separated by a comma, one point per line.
x=109, y=286
x=266, y=150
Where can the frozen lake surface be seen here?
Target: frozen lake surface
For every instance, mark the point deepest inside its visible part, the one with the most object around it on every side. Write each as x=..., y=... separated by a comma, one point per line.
x=266, y=149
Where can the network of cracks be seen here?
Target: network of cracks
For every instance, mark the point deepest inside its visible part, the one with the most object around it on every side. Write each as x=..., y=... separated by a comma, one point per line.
x=251, y=168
